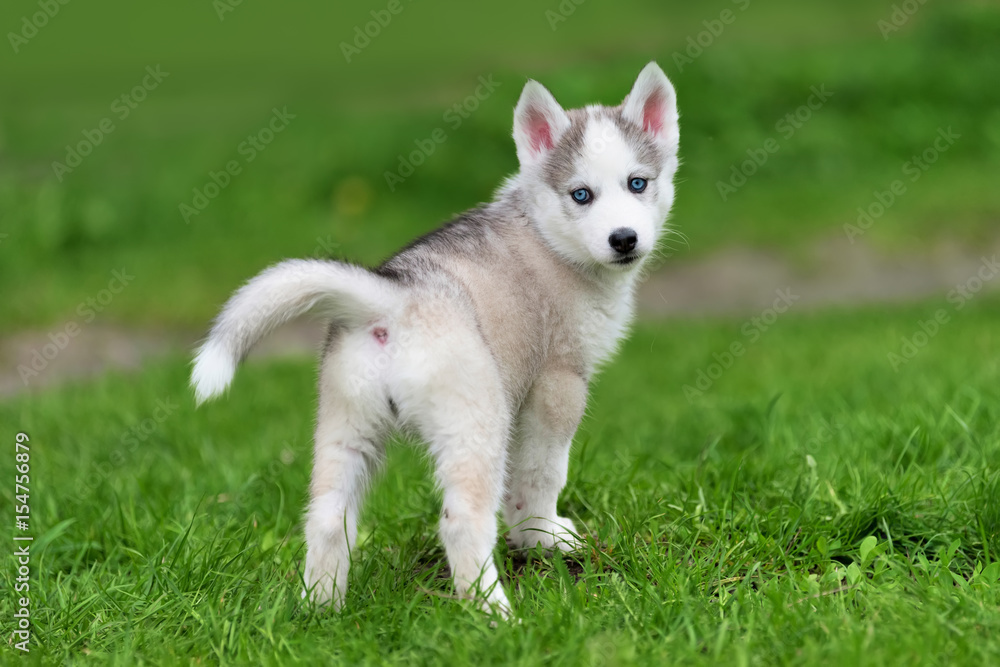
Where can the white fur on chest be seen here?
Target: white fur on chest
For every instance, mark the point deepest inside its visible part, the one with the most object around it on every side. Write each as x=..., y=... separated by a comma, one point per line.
x=603, y=321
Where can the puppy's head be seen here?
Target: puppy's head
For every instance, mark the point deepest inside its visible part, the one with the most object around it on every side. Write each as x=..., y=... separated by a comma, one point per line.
x=599, y=180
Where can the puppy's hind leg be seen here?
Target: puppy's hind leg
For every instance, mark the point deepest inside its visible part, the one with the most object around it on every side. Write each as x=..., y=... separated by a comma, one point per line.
x=352, y=425
x=459, y=407
x=470, y=453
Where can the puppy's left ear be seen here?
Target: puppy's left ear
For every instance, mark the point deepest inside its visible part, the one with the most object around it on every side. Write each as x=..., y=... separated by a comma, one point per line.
x=652, y=105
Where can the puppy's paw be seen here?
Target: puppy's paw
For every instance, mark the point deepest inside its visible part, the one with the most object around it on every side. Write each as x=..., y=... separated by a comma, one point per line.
x=564, y=536
x=553, y=534
x=496, y=604
x=323, y=594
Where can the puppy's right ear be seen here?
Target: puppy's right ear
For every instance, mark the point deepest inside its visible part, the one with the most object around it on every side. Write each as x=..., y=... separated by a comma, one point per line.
x=539, y=121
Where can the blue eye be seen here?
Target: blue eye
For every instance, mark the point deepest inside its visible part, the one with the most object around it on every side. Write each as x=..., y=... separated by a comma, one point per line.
x=581, y=196
x=637, y=184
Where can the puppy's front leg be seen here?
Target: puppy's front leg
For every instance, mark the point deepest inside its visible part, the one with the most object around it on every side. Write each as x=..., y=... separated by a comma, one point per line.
x=539, y=461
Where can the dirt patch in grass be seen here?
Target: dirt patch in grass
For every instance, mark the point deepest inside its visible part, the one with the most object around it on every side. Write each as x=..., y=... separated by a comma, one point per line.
x=733, y=282
x=834, y=273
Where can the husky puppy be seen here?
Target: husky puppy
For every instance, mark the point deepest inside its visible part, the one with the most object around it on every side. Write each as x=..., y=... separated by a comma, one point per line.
x=480, y=337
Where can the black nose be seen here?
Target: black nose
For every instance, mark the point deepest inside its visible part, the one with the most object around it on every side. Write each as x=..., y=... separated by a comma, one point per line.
x=623, y=240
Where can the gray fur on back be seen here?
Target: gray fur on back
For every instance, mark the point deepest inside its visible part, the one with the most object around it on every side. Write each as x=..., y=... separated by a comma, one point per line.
x=492, y=262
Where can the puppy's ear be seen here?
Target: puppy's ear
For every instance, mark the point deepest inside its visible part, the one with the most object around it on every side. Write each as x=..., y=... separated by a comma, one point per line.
x=652, y=105
x=539, y=121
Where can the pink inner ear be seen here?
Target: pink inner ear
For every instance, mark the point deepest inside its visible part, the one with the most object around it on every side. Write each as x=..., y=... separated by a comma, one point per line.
x=653, y=113
x=539, y=132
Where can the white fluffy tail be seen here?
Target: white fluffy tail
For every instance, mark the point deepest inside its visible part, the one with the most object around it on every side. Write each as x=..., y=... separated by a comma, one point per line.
x=281, y=293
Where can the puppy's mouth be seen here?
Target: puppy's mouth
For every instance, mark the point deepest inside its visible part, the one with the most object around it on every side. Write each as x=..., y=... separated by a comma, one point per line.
x=626, y=260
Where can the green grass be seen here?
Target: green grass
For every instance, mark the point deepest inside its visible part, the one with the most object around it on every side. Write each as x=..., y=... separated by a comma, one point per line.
x=319, y=188
x=813, y=506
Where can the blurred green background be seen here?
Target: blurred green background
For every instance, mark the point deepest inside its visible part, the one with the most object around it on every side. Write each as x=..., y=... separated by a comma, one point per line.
x=911, y=449
x=320, y=189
